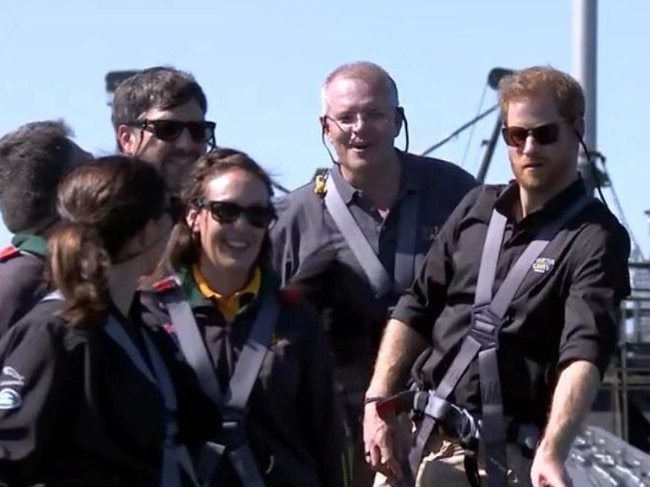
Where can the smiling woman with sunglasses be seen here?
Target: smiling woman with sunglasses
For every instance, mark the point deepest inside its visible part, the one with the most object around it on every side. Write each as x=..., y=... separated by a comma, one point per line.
x=258, y=352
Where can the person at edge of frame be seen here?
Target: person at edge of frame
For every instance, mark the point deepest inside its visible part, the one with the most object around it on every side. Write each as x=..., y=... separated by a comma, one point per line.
x=88, y=394
x=33, y=159
x=558, y=332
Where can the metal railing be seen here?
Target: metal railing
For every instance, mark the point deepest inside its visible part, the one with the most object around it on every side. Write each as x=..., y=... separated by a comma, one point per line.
x=630, y=370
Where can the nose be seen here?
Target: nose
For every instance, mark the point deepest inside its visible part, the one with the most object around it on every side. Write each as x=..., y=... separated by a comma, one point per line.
x=359, y=124
x=530, y=145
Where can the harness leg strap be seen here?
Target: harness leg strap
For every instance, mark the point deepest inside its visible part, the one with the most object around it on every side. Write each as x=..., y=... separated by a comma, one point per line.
x=493, y=431
x=208, y=461
x=243, y=462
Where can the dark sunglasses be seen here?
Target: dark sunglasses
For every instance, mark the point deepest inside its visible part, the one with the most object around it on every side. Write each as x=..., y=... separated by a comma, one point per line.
x=171, y=130
x=258, y=216
x=543, y=135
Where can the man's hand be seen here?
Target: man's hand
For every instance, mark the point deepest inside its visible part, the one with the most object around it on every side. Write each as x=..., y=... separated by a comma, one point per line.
x=574, y=393
x=400, y=346
x=378, y=443
x=548, y=470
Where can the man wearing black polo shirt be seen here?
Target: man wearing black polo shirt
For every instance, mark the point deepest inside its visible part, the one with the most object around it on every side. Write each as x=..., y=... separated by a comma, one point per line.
x=394, y=201
x=559, y=330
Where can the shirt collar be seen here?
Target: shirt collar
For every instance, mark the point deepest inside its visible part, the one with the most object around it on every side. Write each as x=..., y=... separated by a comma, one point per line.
x=411, y=178
x=252, y=287
x=229, y=305
x=506, y=201
x=346, y=190
x=34, y=244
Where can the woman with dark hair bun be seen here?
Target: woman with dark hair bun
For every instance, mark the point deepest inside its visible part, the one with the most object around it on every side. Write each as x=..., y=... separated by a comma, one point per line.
x=258, y=352
x=88, y=395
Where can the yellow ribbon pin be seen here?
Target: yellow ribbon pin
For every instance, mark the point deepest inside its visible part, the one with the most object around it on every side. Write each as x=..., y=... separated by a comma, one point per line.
x=319, y=187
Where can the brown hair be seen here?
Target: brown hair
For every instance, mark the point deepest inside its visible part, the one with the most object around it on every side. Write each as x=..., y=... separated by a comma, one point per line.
x=103, y=204
x=539, y=80
x=162, y=87
x=183, y=250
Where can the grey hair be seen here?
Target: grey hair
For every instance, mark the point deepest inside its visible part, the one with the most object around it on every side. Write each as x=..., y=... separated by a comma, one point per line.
x=358, y=69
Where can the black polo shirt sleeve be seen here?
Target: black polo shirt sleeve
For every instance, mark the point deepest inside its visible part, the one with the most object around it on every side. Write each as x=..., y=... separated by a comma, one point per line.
x=420, y=306
x=600, y=280
x=302, y=253
x=286, y=237
x=31, y=394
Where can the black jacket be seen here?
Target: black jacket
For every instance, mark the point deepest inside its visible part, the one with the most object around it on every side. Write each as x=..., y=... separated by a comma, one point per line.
x=21, y=278
x=565, y=310
x=75, y=411
x=291, y=424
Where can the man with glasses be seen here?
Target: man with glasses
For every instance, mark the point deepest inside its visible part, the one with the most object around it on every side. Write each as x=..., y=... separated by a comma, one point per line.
x=354, y=240
x=159, y=115
x=514, y=316
x=33, y=159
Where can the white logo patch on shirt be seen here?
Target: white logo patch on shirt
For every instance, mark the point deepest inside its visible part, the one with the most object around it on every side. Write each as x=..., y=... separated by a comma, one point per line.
x=10, y=399
x=11, y=377
x=11, y=372
x=543, y=265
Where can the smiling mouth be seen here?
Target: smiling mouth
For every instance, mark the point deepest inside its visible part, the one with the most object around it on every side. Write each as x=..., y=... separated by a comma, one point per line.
x=237, y=244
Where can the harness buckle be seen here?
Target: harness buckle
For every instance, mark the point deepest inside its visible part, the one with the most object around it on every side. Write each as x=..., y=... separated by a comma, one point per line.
x=485, y=327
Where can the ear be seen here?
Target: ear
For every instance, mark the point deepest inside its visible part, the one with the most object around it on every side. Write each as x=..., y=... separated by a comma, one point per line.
x=325, y=129
x=399, y=120
x=579, y=126
x=127, y=139
x=192, y=219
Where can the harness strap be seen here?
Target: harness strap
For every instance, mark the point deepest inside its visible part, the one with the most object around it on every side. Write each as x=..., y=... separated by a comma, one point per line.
x=233, y=402
x=405, y=257
x=175, y=456
x=482, y=340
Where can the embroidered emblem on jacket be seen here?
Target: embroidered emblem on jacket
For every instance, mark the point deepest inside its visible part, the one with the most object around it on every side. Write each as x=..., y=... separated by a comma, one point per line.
x=10, y=399
x=543, y=265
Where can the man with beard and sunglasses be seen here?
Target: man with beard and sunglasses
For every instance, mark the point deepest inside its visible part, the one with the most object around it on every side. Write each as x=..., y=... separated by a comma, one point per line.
x=159, y=116
x=33, y=159
x=354, y=240
x=513, y=319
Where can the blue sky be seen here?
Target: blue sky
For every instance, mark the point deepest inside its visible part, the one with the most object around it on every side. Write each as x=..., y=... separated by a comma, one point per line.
x=261, y=64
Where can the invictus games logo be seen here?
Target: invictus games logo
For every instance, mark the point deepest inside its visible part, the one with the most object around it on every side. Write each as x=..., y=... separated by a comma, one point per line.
x=11, y=372
x=10, y=377
x=543, y=265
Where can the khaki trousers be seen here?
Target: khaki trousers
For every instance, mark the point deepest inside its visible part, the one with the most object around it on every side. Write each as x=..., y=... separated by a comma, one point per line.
x=443, y=465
